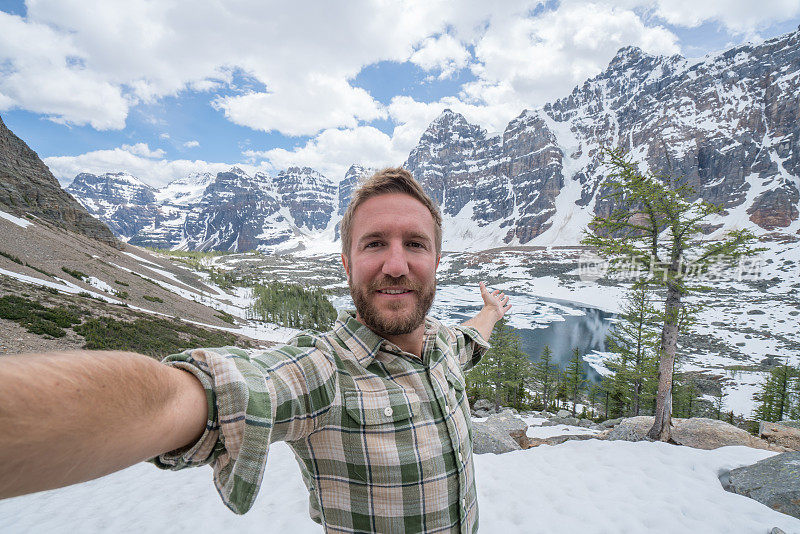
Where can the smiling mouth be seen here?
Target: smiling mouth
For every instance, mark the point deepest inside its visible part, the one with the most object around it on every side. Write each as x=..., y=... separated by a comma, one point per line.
x=394, y=291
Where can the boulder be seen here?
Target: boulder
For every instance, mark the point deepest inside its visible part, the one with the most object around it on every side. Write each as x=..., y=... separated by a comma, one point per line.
x=772, y=481
x=483, y=404
x=486, y=439
x=564, y=413
x=631, y=429
x=697, y=432
x=702, y=433
x=783, y=434
x=501, y=432
x=610, y=423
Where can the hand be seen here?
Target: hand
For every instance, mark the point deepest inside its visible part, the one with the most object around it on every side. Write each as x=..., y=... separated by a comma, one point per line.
x=495, y=302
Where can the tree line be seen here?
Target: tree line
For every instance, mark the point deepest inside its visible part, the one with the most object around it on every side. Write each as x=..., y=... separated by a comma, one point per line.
x=292, y=305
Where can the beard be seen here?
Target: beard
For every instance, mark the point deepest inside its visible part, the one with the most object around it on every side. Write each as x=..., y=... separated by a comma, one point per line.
x=384, y=325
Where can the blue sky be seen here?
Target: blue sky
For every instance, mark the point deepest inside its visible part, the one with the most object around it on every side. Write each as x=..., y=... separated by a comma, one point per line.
x=162, y=89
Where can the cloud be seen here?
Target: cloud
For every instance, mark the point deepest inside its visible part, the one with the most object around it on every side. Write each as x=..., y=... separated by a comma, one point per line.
x=138, y=159
x=739, y=16
x=532, y=60
x=334, y=150
x=43, y=71
x=127, y=52
x=315, y=103
x=191, y=144
x=442, y=53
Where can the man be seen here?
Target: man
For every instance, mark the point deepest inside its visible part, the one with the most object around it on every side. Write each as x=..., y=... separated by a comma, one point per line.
x=375, y=409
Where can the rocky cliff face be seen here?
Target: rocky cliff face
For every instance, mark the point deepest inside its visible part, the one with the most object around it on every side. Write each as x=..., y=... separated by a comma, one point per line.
x=28, y=187
x=123, y=202
x=728, y=124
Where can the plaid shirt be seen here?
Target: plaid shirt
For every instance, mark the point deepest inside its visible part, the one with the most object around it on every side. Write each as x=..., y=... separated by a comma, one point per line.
x=383, y=439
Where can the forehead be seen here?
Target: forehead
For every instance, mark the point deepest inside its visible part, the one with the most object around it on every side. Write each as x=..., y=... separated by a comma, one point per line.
x=393, y=213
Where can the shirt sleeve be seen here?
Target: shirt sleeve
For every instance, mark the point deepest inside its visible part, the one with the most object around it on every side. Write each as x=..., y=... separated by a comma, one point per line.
x=278, y=395
x=470, y=346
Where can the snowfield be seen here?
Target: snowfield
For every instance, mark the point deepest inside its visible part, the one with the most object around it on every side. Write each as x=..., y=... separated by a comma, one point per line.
x=580, y=486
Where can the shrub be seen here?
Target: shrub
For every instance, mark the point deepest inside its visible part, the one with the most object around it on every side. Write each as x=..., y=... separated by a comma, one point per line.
x=75, y=273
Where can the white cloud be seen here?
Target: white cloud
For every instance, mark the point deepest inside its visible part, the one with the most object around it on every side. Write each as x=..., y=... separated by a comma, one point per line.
x=444, y=53
x=529, y=61
x=134, y=51
x=191, y=144
x=739, y=16
x=42, y=70
x=313, y=104
x=143, y=150
x=138, y=160
x=333, y=151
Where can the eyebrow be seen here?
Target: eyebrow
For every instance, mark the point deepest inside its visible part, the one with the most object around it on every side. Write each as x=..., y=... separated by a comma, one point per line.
x=379, y=234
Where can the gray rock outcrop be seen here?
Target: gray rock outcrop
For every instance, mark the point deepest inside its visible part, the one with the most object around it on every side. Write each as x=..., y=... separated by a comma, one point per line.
x=501, y=432
x=774, y=481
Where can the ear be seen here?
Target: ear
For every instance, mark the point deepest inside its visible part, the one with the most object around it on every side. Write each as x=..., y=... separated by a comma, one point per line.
x=346, y=267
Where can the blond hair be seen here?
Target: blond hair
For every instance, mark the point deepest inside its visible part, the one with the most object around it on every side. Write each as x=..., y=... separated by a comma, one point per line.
x=390, y=180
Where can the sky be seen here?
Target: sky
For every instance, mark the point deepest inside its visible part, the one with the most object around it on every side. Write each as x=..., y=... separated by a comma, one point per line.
x=161, y=89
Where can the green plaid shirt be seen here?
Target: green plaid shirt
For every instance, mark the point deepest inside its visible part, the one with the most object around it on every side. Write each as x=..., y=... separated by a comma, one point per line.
x=383, y=439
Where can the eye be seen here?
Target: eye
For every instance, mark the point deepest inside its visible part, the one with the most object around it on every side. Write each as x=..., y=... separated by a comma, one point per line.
x=416, y=244
x=372, y=244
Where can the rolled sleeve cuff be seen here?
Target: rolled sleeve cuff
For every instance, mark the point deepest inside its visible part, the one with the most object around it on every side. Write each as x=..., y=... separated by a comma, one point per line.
x=237, y=436
x=479, y=345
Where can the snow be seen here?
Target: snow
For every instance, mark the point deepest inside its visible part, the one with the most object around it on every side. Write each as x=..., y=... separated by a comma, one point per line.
x=22, y=223
x=588, y=486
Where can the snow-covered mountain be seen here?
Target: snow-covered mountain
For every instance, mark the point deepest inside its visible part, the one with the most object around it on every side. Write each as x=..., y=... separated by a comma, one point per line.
x=729, y=123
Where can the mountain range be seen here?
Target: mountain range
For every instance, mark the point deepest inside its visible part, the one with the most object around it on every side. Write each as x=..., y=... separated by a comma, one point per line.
x=729, y=124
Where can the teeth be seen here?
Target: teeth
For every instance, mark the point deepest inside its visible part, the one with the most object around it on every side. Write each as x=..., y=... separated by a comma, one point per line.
x=394, y=291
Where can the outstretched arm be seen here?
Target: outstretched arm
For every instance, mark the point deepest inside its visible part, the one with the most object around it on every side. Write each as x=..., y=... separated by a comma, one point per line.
x=495, y=305
x=74, y=416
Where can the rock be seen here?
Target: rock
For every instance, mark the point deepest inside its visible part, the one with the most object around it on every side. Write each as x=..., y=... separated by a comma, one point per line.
x=558, y=440
x=784, y=434
x=610, y=423
x=486, y=439
x=564, y=413
x=483, y=404
x=631, y=429
x=697, y=432
x=585, y=423
x=498, y=433
x=776, y=530
x=702, y=433
x=772, y=481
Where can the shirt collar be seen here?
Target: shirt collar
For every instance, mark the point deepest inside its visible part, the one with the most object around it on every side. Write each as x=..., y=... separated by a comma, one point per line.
x=365, y=344
x=362, y=342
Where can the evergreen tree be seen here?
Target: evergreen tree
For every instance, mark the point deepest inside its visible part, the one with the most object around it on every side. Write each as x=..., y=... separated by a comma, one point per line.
x=655, y=221
x=544, y=376
x=574, y=378
x=778, y=394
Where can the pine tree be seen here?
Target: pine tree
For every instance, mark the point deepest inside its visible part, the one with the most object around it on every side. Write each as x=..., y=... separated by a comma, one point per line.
x=778, y=394
x=544, y=378
x=573, y=378
x=655, y=221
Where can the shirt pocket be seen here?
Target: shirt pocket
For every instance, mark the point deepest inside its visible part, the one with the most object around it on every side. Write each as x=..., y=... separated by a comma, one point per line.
x=380, y=434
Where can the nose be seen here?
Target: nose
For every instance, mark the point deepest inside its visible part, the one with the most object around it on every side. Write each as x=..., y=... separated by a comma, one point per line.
x=395, y=263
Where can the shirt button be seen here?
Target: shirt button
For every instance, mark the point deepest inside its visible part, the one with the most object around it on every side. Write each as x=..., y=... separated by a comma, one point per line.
x=459, y=456
x=388, y=411
x=464, y=502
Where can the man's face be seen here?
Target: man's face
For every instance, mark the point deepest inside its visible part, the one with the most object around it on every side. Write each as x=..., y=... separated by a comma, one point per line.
x=392, y=265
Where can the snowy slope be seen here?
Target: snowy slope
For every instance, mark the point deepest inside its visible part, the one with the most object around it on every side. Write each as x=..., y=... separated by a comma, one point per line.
x=580, y=486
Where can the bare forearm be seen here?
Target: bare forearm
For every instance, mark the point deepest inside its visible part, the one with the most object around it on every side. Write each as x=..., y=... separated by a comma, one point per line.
x=483, y=322
x=70, y=417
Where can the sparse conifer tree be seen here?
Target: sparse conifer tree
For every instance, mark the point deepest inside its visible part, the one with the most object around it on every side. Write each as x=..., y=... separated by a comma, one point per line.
x=655, y=221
